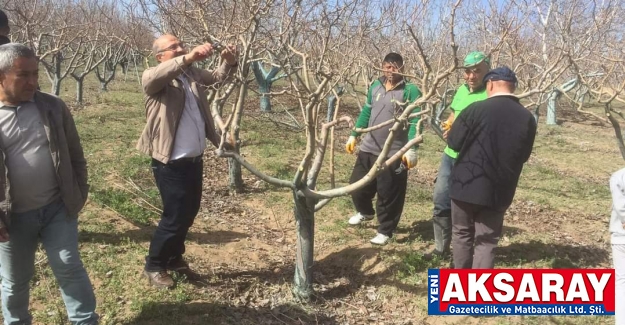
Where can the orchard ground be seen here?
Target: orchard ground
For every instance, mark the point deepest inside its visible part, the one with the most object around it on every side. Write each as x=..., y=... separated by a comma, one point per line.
x=244, y=245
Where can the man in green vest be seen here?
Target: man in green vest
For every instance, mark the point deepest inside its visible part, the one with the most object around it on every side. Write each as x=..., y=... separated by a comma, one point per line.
x=476, y=65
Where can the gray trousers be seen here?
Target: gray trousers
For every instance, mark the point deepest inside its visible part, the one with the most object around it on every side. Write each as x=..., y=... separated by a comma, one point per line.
x=476, y=229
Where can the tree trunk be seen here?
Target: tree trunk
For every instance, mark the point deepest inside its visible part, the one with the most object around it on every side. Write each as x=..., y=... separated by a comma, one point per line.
x=265, y=80
x=79, y=90
x=103, y=78
x=56, y=83
x=552, y=104
x=331, y=106
x=264, y=87
x=56, y=86
x=617, y=130
x=536, y=113
x=305, y=224
x=235, y=182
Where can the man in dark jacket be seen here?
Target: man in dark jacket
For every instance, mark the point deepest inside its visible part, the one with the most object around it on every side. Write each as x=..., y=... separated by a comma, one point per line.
x=494, y=139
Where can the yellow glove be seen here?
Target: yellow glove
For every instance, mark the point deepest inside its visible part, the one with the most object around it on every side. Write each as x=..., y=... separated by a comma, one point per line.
x=446, y=125
x=410, y=158
x=350, y=145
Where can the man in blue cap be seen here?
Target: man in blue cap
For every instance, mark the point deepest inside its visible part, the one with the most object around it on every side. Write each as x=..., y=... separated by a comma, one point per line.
x=476, y=64
x=494, y=138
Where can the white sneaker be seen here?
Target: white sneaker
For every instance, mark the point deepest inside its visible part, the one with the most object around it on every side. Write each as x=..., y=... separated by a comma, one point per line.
x=359, y=218
x=380, y=239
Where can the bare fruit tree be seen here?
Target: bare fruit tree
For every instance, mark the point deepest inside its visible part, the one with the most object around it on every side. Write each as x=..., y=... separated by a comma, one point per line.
x=322, y=46
x=600, y=71
x=54, y=29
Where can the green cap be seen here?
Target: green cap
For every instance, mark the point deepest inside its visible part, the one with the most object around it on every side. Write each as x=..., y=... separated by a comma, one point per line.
x=474, y=58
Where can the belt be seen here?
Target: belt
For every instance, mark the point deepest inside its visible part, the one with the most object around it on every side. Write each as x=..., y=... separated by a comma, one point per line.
x=192, y=160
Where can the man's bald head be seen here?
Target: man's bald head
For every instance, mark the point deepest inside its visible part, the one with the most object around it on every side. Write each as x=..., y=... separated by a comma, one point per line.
x=167, y=47
x=500, y=80
x=501, y=86
x=157, y=44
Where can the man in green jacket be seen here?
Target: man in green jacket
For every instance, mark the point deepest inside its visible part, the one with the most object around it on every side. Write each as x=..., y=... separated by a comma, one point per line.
x=476, y=65
x=386, y=99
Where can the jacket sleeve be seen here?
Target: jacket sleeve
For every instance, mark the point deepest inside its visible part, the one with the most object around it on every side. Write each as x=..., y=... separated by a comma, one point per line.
x=211, y=133
x=529, y=145
x=461, y=129
x=76, y=154
x=365, y=113
x=221, y=74
x=156, y=78
x=617, y=187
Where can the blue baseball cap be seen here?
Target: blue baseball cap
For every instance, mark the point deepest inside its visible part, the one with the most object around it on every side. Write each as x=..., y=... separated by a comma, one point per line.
x=502, y=73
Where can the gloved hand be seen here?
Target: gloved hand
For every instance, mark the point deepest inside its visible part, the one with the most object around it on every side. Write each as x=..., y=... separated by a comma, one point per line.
x=446, y=126
x=350, y=145
x=410, y=158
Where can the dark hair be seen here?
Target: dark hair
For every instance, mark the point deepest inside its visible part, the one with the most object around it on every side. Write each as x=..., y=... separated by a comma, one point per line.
x=4, y=20
x=394, y=58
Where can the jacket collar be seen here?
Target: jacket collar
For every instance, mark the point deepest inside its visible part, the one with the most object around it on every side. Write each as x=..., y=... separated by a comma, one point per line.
x=400, y=85
x=32, y=100
x=503, y=94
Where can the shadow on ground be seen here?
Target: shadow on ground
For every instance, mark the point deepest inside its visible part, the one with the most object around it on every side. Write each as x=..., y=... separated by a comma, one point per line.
x=145, y=234
x=559, y=255
x=201, y=313
x=336, y=276
x=423, y=230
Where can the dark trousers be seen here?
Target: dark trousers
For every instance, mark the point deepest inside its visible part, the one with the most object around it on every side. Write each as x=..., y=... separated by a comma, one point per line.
x=180, y=185
x=390, y=186
x=475, y=225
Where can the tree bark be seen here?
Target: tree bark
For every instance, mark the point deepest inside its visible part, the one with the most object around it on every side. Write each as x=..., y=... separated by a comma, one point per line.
x=56, y=86
x=79, y=90
x=235, y=182
x=305, y=225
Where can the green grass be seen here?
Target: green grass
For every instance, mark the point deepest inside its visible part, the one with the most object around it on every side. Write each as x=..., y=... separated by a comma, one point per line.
x=245, y=245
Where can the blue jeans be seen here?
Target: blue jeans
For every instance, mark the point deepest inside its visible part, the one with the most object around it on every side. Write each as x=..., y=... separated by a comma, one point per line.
x=59, y=236
x=442, y=202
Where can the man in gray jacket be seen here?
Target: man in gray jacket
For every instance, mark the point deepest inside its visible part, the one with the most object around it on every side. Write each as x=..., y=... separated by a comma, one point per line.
x=178, y=123
x=386, y=99
x=617, y=229
x=44, y=177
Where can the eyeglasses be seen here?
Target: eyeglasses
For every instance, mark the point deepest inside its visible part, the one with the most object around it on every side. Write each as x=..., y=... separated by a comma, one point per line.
x=172, y=47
